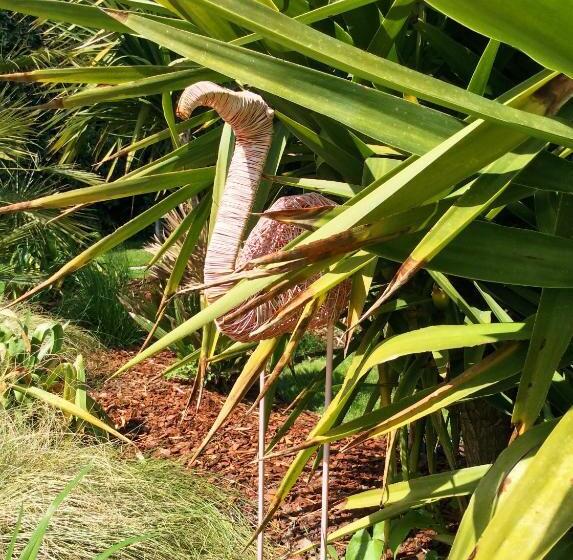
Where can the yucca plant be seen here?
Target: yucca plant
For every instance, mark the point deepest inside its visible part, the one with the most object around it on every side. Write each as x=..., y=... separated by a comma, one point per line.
x=434, y=124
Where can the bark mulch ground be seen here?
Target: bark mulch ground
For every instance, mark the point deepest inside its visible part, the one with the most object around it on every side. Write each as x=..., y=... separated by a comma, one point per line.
x=149, y=409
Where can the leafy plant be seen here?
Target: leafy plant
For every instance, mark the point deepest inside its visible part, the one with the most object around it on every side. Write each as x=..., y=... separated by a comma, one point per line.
x=34, y=366
x=437, y=133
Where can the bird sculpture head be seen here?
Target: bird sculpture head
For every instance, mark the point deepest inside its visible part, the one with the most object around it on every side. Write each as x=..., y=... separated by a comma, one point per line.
x=245, y=111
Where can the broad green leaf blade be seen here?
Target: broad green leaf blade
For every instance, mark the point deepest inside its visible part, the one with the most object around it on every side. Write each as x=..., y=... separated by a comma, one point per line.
x=444, y=337
x=533, y=26
x=205, y=21
x=425, y=488
x=552, y=332
x=542, y=500
x=496, y=367
x=321, y=47
x=403, y=496
x=482, y=72
x=91, y=74
x=390, y=27
x=122, y=188
x=320, y=13
x=337, y=188
x=384, y=117
x=84, y=16
x=495, y=253
x=148, y=5
x=553, y=329
x=484, y=501
x=547, y=172
x=479, y=196
x=200, y=152
x=161, y=83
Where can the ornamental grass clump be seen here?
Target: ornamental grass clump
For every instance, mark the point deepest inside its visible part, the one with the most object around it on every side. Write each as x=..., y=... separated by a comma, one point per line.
x=185, y=516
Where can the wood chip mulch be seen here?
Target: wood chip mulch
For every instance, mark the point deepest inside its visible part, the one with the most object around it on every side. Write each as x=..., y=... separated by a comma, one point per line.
x=148, y=409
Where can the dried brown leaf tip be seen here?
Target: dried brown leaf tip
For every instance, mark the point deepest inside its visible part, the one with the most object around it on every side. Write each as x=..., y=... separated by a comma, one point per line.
x=504, y=485
x=17, y=207
x=18, y=77
x=116, y=14
x=405, y=272
x=290, y=215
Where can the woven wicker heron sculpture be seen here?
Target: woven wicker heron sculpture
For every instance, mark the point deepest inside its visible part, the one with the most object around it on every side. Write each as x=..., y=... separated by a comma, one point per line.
x=252, y=122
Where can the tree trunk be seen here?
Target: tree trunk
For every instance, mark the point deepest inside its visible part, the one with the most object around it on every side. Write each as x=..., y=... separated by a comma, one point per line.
x=485, y=431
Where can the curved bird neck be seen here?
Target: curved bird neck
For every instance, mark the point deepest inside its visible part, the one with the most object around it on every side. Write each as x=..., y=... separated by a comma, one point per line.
x=252, y=122
x=234, y=211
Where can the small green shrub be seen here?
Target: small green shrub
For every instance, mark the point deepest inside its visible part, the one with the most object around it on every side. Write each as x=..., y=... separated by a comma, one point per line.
x=37, y=363
x=41, y=352
x=186, y=516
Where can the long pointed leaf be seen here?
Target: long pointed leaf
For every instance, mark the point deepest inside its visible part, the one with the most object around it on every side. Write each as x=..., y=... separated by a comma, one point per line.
x=379, y=115
x=288, y=32
x=524, y=24
x=122, y=188
x=483, y=504
x=542, y=500
x=70, y=408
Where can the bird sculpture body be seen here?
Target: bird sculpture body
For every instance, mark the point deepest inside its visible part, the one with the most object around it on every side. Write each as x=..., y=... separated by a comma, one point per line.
x=252, y=122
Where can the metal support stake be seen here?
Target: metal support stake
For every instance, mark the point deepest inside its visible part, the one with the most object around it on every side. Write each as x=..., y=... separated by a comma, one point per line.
x=326, y=448
x=261, y=481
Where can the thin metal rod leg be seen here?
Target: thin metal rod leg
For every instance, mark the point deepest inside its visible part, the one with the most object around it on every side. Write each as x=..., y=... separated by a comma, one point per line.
x=326, y=449
x=261, y=481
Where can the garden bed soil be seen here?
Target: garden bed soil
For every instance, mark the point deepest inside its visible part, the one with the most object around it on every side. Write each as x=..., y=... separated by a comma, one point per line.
x=149, y=409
